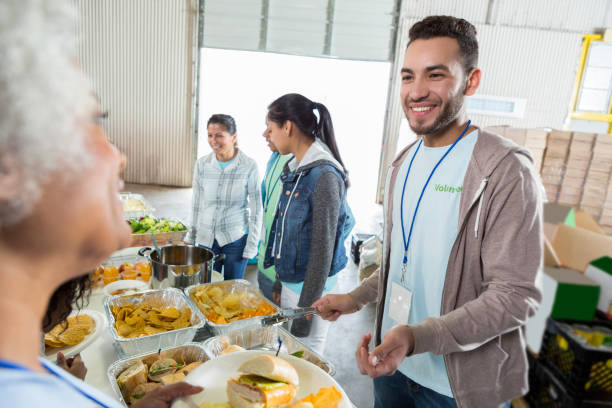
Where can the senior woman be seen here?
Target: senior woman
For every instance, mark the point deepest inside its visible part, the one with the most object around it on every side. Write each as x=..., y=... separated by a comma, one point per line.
x=60, y=215
x=227, y=212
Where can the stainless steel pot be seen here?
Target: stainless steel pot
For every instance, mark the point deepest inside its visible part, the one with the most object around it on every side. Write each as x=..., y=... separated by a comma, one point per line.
x=180, y=266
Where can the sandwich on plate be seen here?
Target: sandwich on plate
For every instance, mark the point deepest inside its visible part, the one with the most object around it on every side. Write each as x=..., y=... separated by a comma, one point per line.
x=267, y=382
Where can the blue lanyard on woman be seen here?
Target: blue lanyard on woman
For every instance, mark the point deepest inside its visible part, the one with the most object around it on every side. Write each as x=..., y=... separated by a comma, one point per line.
x=13, y=366
x=268, y=190
x=407, y=240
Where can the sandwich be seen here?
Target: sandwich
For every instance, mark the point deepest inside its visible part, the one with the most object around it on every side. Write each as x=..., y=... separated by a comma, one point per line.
x=267, y=382
x=172, y=378
x=162, y=368
x=142, y=389
x=131, y=377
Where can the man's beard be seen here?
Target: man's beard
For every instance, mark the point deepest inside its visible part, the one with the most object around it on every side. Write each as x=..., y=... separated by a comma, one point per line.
x=443, y=120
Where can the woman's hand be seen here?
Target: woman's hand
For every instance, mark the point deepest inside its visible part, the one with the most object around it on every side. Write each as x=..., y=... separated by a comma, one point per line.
x=163, y=397
x=74, y=365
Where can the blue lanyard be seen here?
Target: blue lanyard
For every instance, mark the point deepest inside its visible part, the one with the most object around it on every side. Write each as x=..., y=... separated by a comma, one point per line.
x=268, y=190
x=407, y=240
x=13, y=366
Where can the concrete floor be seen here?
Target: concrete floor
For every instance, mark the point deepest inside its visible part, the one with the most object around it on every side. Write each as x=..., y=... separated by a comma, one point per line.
x=343, y=335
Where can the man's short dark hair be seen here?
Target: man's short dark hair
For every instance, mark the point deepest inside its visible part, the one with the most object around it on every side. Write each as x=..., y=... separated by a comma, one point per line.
x=446, y=26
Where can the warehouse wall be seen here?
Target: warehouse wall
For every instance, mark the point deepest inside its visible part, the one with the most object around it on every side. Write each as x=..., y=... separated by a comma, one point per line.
x=349, y=29
x=528, y=50
x=140, y=55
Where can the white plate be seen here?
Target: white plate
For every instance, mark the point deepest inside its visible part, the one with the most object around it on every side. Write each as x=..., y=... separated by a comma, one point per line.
x=72, y=350
x=213, y=376
x=134, y=284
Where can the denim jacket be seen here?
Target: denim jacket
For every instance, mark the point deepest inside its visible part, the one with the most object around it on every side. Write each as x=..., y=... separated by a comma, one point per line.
x=291, y=243
x=289, y=251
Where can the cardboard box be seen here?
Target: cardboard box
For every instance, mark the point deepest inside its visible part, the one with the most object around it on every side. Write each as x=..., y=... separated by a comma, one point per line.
x=567, y=190
x=584, y=137
x=576, y=172
x=600, y=271
x=599, y=176
x=558, y=149
x=536, y=138
x=593, y=211
x=568, y=199
x=577, y=247
x=575, y=163
x=552, y=178
x=560, y=135
x=572, y=182
x=566, y=294
x=553, y=161
x=516, y=134
x=498, y=130
x=603, y=138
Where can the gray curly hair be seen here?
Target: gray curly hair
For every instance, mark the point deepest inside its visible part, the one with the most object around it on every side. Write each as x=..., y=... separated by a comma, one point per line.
x=44, y=100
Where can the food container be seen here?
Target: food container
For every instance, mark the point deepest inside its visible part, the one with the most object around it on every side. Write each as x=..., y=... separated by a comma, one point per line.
x=120, y=258
x=266, y=338
x=126, y=287
x=180, y=266
x=238, y=286
x=162, y=238
x=150, y=343
x=190, y=352
x=135, y=205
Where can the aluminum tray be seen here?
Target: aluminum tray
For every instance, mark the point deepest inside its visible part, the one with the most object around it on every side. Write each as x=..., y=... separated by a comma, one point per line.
x=147, y=210
x=190, y=352
x=162, y=297
x=236, y=286
x=266, y=338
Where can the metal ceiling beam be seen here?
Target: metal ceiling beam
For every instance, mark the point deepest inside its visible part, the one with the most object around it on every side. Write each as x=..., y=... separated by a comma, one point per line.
x=263, y=31
x=331, y=7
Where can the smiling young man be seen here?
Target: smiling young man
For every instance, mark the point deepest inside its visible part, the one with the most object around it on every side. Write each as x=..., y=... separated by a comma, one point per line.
x=462, y=243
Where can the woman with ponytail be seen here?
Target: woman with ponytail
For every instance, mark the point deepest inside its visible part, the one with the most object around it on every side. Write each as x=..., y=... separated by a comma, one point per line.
x=306, y=244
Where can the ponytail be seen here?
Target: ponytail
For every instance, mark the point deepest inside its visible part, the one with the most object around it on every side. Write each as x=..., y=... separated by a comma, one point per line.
x=300, y=110
x=325, y=132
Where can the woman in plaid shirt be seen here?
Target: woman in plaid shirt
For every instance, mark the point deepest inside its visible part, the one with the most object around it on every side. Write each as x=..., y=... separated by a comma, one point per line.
x=227, y=212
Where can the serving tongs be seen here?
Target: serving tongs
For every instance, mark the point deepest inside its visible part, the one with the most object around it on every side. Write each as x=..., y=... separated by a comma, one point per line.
x=284, y=315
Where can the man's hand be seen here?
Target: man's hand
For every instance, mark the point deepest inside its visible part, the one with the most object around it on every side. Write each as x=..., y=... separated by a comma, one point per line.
x=162, y=397
x=331, y=307
x=386, y=358
x=74, y=365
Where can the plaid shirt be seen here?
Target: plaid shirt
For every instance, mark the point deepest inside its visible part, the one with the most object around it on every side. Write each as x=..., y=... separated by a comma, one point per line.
x=226, y=203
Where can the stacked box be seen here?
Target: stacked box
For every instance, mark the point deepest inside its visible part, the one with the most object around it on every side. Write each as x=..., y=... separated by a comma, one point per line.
x=597, y=197
x=554, y=165
x=577, y=165
x=517, y=135
x=536, y=141
x=498, y=130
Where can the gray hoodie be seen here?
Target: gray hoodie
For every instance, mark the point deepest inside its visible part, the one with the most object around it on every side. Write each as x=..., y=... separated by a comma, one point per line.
x=489, y=289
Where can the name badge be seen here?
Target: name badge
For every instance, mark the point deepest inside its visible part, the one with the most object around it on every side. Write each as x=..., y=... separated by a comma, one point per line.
x=399, y=304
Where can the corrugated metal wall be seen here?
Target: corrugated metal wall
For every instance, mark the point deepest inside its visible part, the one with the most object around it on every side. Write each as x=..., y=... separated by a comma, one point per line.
x=350, y=29
x=559, y=15
x=139, y=55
